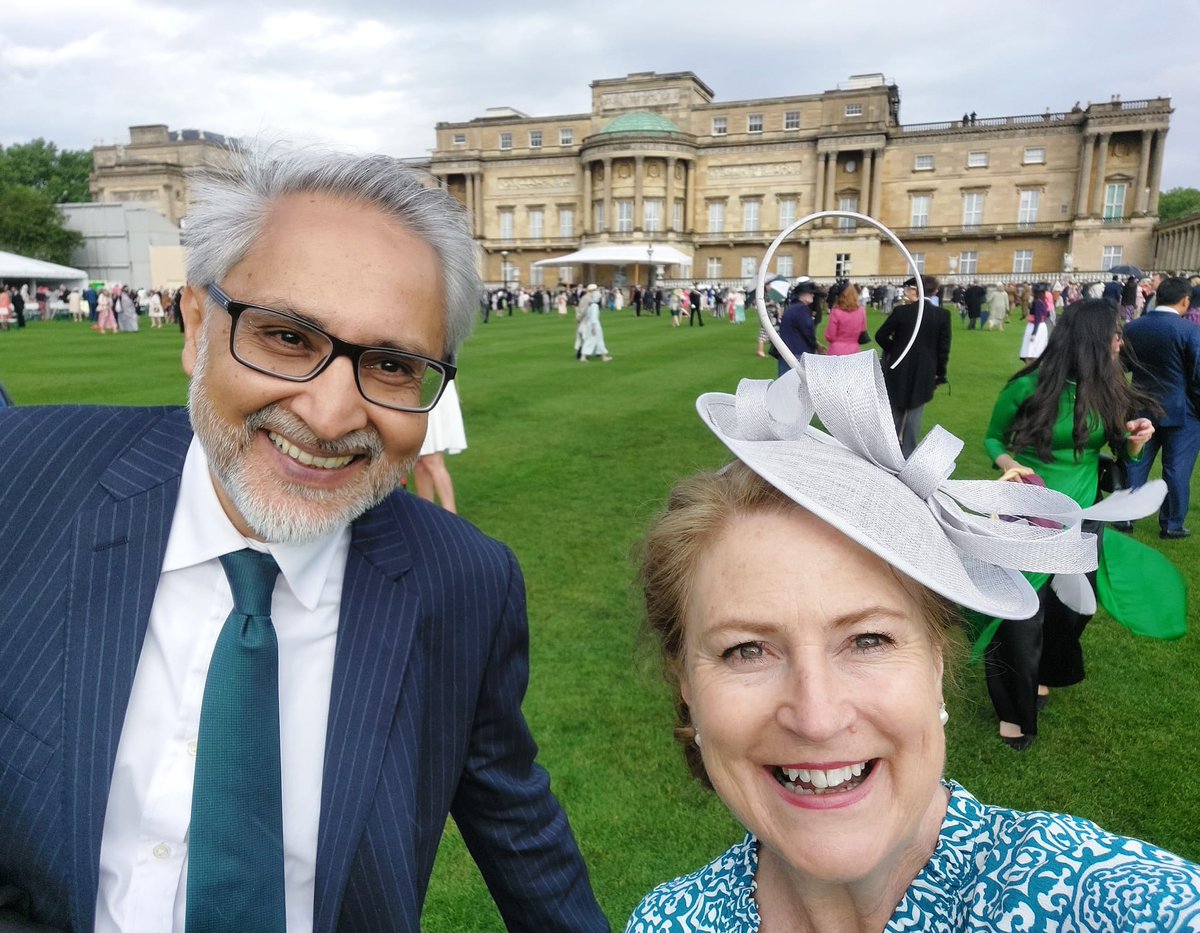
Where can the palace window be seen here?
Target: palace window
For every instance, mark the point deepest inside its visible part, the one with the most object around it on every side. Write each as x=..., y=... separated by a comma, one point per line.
x=968, y=262
x=1111, y=256
x=460, y=139
x=751, y=209
x=566, y=221
x=791, y=119
x=919, y=262
x=677, y=215
x=506, y=223
x=535, y=139
x=784, y=266
x=537, y=223
x=841, y=265
x=566, y=136
x=716, y=216
x=749, y=267
x=1022, y=261
x=787, y=212
x=1035, y=155
x=754, y=123
x=977, y=159
x=598, y=215
x=506, y=140
x=1027, y=210
x=720, y=126
x=847, y=202
x=624, y=216
x=923, y=163
x=1114, y=202
x=713, y=267
x=919, y=215
x=972, y=209
x=652, y=208
x=853, y=110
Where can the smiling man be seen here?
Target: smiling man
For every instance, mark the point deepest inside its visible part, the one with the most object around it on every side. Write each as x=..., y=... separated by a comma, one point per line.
x=252, y=679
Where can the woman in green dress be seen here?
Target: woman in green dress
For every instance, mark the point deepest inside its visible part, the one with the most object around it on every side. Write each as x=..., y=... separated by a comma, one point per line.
x=1052, y=419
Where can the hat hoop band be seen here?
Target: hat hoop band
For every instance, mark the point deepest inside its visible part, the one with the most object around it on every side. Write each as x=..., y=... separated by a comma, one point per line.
x=760, y=289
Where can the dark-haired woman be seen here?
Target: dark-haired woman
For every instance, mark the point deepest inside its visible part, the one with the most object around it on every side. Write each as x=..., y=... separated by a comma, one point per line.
x=1053, y=418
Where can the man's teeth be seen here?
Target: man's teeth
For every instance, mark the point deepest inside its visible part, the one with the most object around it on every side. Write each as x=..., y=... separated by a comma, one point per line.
x=303, y=456
x=807, y=780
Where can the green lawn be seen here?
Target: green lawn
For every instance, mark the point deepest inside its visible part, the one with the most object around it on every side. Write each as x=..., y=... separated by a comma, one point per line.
x=567, y=462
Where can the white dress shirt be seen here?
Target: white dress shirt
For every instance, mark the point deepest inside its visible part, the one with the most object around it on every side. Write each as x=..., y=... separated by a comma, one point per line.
x=143, y=852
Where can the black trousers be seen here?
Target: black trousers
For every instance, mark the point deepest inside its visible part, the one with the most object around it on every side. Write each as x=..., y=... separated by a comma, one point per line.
x=1045, y=649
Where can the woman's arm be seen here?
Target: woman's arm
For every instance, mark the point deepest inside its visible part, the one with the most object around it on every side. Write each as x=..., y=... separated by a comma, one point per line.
x=995, y=440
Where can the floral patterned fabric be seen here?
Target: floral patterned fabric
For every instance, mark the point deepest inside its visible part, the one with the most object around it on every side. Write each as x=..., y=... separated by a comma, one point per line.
x=993, y=869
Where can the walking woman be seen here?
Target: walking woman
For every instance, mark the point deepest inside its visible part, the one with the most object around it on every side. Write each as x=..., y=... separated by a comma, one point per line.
x=1052, y=419
x=105, y=318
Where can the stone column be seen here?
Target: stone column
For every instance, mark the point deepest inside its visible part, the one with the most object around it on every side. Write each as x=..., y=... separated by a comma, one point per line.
x=819, y=199
x=669, y=206
x=877, y=186
x=1156, y=160
x=608, y=204
x=868, y=170
x=1101, y=167
x=689, y=195
x=586, y=215
x=639, y=167
x=830, y=180
x=1140, y=194
x=1083, y=199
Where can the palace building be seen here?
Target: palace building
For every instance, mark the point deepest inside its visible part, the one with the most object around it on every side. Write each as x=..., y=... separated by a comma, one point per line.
x=659, y=166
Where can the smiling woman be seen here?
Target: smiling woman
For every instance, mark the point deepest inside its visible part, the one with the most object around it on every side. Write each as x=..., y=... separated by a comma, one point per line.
x=808, y=672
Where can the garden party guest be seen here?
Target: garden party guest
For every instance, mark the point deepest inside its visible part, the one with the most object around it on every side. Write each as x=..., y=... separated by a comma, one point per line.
x=1038, y=324
x=156, y=312
x=589, y=336
x=105, y=319
x=445, y=435
x=847, y=323
x=290, y=765
x=816, y=713
x=126, y=310
x=797, y=326
x=1052, y=420
x=912, y=383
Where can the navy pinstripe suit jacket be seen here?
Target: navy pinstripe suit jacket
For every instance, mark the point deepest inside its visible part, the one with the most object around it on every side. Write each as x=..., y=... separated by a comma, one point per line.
x=424, y=720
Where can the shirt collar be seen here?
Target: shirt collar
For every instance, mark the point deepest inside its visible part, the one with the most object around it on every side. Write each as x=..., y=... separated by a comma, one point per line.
x=201, y=531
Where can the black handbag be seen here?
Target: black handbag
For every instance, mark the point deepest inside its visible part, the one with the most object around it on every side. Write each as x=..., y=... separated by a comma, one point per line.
x=864, y=338
x=1114, y=474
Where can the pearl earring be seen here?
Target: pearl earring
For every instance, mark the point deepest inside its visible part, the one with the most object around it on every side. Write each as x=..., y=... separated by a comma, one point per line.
x=943, y=716
x=696, y=738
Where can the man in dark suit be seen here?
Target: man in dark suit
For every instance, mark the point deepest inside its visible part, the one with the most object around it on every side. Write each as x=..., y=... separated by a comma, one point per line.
x=695, y=306
x=910, y=385
x=383, y=640
x=1164, y=354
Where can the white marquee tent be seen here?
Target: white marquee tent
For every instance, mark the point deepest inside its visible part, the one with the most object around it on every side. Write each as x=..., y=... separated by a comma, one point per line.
x=620, y=256
x=14, y=268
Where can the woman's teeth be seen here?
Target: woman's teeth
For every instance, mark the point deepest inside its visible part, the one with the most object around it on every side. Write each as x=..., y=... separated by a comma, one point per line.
x=302, y=456
x=815, y=781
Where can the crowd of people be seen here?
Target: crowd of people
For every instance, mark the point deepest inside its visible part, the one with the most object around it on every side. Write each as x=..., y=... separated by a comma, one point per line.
x=265, y=679
x=109, y=308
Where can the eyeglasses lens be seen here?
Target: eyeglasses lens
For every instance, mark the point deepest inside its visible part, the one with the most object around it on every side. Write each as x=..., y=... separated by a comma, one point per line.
x=282, y=346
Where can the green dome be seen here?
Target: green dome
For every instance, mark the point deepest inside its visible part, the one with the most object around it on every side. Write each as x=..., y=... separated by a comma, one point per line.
x=640, y=122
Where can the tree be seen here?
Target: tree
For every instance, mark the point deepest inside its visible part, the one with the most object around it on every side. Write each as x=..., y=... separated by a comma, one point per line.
x=32, y=225
x=1178, y=202
x=39, y=164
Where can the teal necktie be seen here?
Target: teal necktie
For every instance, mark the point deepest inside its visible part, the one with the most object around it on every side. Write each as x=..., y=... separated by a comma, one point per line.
x=235, y=842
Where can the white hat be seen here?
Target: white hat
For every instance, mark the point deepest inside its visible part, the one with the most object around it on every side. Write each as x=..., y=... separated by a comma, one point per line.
x=593, y=287
x=941, y=532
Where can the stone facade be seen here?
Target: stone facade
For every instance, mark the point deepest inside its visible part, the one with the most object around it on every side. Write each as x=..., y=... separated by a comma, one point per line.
x=153, y=167
x=658, y=161
x=1177, y=244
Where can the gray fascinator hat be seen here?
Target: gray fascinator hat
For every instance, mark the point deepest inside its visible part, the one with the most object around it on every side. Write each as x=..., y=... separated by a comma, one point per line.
x=943, y=533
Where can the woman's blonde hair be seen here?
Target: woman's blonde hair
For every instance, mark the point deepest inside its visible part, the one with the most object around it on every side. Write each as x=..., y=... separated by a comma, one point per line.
x=698, y=511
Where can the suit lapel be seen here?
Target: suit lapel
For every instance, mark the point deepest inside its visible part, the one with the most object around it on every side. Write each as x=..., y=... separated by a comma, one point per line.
x=376, y=627
x=118, y=550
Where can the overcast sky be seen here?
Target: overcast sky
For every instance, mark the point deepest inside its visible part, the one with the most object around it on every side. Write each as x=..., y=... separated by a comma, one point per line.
x=378, y=74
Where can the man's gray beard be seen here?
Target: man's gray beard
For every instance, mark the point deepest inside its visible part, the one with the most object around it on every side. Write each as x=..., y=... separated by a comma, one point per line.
x=280, y=514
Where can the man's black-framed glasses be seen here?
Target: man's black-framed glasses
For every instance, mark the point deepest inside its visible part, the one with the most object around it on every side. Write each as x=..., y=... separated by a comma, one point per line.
x=289, y=347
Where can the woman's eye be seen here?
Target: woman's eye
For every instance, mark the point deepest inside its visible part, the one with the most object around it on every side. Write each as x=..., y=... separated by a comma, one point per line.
x=747, y=651
x=871, y=641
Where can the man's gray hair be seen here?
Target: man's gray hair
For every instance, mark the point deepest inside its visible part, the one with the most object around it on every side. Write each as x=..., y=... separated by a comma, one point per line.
x=228, y=207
